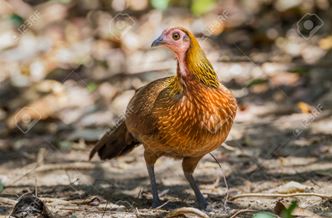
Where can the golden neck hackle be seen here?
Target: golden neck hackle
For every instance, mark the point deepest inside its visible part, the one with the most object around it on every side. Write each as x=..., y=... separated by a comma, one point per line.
x=198, y=67
x=198, y=64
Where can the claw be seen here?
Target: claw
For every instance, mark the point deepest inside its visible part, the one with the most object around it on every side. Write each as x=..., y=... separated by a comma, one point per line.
x=202, y=203
x=156, y=203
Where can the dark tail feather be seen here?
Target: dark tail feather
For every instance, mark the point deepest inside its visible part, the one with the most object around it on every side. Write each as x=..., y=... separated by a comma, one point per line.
x=114, y=143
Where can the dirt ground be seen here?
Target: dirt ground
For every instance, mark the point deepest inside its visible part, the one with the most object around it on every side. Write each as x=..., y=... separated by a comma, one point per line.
x=271, y=149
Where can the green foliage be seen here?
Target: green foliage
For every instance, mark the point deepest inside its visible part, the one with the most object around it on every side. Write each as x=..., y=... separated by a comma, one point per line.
x=288, y=212
x=200, y=7
x=300, y=70
x=160, y=4
x=16, y=19
x=2, y=186
x=65, y=145
x=64, y=1
x=264, y=215
x=91, y=87
x=197, y=7
x=256, y=81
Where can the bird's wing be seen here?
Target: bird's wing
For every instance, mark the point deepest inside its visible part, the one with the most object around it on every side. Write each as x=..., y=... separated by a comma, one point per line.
x=140, y=120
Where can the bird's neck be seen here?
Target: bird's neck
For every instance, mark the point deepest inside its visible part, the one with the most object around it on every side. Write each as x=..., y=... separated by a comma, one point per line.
x=193, y=66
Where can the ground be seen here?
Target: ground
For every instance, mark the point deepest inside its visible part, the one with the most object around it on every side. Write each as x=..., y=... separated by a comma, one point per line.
x=264, y=152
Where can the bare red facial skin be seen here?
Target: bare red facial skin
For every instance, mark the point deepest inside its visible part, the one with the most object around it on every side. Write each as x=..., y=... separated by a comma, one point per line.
x=174, y=39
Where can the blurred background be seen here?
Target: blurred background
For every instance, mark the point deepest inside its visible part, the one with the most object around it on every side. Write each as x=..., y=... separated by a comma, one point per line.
x=69, y=68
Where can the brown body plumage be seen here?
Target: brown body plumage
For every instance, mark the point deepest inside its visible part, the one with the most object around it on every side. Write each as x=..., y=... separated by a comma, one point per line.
x=184, y=116
x=180, y=126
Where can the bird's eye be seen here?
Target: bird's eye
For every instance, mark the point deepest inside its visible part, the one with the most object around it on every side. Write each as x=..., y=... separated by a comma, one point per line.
x=176, y=36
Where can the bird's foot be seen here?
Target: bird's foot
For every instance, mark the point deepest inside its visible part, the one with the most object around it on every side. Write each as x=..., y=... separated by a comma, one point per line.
x=156, y=203
x=202, y=203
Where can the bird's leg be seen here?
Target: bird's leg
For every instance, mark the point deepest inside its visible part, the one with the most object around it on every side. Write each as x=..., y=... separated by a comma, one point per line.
x=150, y=159
x=155, y=201
x=189, y=164
x=202, y=203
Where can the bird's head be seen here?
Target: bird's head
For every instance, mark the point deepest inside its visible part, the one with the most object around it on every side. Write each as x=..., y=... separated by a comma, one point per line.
x=191, y=58
x=176, y=39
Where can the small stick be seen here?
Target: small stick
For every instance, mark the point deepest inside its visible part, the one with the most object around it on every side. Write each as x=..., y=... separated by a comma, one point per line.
x=25, y=174
x=268, y=195
x=228, y=147
x=85, y=201
x=58, y=201
x=105, y=209
x=39, y=162
x=186, y=210
x=161, y=206
x=71, y=208
x=137, y=213
x=7, y=201
x=72, y=202
x=71, y=166
x=225, y=180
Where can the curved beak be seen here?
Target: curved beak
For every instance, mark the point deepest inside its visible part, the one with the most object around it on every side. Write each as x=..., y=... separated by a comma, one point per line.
x=158, y=41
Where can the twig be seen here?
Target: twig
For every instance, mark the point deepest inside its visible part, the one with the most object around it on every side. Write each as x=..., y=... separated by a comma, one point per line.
x=241, y=211
x=86, y=201
x=216, y=183
x=36, y=187
x=69, y=166
x=39, y=162
x=137, y=214
x=186, y=210
x=228, y=147
x=24, y=175
x=41, y=156
x=268, y=195
x=7, y=201
x=161, y=206
x=105, y=209
x=225, y=180
x=58, y=201
x=70, y=208
x=72, y=202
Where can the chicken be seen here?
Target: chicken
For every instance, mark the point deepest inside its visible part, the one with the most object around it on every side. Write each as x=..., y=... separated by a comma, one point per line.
x=184, y=116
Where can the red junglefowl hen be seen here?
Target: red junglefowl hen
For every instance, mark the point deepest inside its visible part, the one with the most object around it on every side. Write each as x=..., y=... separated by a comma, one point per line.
x=184, y=116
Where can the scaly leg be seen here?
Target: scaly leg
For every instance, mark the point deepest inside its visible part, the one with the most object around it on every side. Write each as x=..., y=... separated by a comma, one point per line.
x=189, y=164
x=150, y=160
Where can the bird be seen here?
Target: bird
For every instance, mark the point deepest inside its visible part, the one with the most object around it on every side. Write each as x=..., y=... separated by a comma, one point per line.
x=184, y=116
